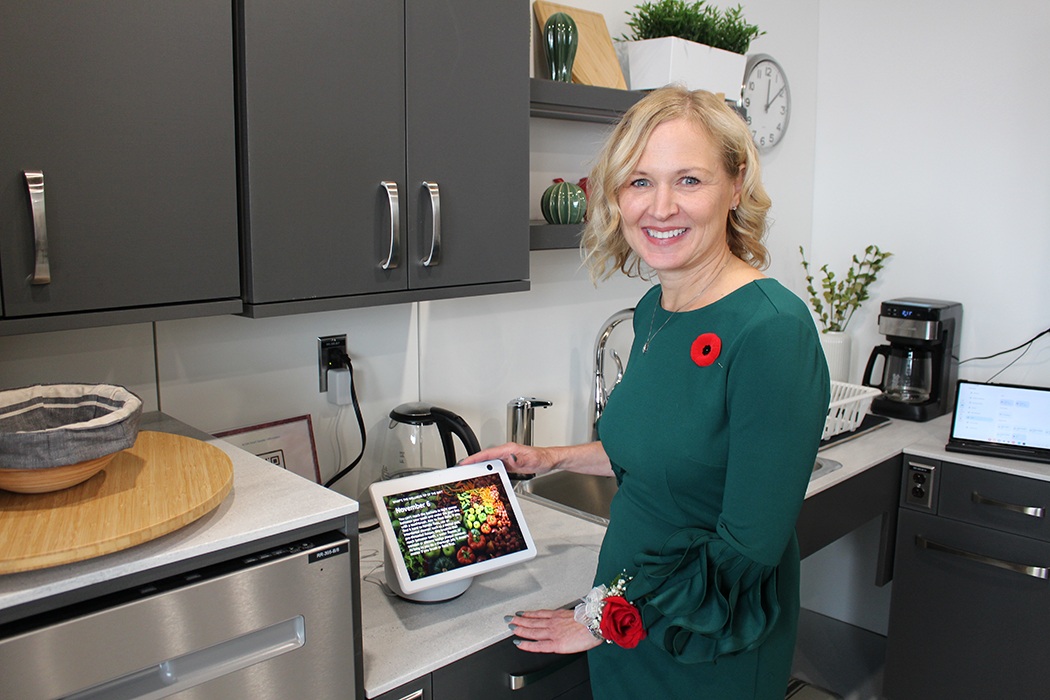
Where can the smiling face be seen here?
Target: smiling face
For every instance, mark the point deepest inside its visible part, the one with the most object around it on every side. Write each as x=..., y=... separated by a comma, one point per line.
x=675, y=203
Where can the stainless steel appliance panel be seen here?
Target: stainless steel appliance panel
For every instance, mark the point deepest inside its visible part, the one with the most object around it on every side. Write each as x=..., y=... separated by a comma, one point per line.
x=278, y=624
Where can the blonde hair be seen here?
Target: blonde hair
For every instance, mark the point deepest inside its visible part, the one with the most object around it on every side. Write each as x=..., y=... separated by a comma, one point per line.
x=604, y=247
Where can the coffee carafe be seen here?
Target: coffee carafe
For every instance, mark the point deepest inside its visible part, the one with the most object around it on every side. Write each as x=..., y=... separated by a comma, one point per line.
x=419, y=439
x=921, y=363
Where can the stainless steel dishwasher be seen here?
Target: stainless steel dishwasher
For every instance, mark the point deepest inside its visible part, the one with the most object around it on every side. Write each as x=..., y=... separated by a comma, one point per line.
x=278, y=623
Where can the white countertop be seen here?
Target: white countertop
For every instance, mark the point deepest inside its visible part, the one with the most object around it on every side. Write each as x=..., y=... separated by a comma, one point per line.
x=405, y=640
x=265, y=500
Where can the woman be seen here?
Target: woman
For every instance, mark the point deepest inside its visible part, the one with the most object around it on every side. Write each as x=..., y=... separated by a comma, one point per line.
x=713, y=430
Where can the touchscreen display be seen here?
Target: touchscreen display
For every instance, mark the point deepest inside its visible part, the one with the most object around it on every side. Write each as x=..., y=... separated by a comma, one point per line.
x=445, y=527
x=1003, y=415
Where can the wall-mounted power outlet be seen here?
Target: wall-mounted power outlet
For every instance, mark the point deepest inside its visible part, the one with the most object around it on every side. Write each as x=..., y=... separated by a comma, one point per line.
x=330, y=351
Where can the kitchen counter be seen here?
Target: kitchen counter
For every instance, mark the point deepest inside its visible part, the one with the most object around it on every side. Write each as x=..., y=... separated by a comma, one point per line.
x=405, y=640
x=264, y=506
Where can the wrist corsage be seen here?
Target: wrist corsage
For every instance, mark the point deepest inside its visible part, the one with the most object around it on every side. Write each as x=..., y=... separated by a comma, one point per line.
x=608, y=615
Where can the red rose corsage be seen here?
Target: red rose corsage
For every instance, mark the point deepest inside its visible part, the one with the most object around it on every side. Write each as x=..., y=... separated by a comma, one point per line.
x=608, y=615
x=705, y=349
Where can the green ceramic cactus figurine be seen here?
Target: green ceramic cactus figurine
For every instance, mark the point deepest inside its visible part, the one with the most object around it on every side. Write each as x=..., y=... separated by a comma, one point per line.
x=560, y=40
x=563, y=203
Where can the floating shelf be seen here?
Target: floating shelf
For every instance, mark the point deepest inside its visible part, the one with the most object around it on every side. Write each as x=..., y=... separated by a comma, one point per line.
x=544, y=236
x=551, y=99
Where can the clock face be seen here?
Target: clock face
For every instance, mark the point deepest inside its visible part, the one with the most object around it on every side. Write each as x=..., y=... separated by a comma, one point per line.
x=766, y=99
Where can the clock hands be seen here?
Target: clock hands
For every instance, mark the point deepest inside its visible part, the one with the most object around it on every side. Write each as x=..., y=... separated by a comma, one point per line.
x=771, y=101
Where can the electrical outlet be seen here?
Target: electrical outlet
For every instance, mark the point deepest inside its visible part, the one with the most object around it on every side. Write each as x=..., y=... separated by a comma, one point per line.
x=330, y=351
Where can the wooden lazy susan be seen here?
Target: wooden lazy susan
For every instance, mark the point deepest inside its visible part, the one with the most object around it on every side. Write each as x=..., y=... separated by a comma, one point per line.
x=155, y=487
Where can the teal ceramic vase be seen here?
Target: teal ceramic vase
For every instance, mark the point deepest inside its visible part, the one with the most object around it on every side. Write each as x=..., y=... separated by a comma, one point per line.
x=560, y=41
x=563, y=203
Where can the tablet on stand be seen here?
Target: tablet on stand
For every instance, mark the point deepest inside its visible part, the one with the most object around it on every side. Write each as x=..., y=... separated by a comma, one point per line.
x=443, y=528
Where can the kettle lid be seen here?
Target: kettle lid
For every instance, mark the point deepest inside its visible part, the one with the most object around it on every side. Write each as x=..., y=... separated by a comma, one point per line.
x=415, y=413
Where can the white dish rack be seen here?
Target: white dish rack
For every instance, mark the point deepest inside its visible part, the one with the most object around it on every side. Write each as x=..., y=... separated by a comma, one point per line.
x=849, y=404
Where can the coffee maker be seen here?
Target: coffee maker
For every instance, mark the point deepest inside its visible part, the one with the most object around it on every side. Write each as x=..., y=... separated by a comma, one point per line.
x=921, y=362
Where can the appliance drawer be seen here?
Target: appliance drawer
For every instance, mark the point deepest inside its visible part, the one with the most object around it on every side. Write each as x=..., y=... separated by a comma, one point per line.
x=992, y=499
x=277, y=624
x=963, y=628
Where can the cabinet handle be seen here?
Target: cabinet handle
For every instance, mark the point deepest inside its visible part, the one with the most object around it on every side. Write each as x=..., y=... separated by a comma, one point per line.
x=1033, y=511
x=435, y=230
x=417, y=695
x=42, y=267
x=393, y=258
x=519, y=682
x=1033, y=571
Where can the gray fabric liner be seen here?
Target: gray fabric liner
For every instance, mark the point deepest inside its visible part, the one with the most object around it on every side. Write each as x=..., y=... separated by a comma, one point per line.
x=49, y=430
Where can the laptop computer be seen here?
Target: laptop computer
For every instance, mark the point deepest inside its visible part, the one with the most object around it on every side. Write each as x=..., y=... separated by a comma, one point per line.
x=1001, y=420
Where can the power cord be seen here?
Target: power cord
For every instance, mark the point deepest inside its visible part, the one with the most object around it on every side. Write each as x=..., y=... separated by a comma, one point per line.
x=1027, y=345
x=360, y=423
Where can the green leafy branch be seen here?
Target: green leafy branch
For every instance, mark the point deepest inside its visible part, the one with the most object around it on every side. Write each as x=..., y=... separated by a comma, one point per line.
x=698, y=22
x=840, y=298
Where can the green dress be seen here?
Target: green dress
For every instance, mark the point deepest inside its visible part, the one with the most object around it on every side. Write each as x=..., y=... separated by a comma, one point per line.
x=712, y=435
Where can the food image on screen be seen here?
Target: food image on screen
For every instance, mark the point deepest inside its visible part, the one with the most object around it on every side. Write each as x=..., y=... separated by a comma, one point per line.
x=450, y=526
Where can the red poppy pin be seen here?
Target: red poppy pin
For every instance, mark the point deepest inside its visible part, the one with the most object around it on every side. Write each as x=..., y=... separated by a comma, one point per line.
x=705, y=349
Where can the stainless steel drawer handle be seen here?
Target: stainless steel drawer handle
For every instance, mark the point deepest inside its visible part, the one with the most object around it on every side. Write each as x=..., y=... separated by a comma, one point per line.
x=42, y=265
x=1033, y=571
x=417, y=695
x=526, y=679
x=393, y=258
x=435, y=229
x=1033, y=511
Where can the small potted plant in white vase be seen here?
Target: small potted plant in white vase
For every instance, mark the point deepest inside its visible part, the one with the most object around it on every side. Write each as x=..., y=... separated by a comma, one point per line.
x=693, y=44
x=837, y=302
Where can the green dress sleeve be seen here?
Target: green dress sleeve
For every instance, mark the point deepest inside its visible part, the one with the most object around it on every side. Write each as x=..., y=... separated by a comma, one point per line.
x=706, y=594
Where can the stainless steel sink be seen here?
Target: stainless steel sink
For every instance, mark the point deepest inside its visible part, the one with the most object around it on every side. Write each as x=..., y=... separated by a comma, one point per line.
x=592, y=495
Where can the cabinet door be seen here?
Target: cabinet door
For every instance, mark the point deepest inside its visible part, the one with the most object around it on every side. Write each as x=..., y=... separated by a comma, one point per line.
x=324, y=126
x=961, y=628
x=504, y=671
x=468, y=132
x=127, y=109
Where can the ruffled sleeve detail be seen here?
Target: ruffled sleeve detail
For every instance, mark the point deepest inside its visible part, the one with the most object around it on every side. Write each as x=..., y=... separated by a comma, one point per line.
x=700, y=599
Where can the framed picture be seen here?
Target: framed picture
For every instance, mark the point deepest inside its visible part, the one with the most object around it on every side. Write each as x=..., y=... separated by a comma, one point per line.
x=287, y=443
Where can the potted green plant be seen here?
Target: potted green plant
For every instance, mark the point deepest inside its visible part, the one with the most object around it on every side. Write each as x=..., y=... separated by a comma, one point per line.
x=691, y=43
x=837, y=301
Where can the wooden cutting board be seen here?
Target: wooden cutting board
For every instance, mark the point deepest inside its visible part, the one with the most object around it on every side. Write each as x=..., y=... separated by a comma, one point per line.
x=596, y=62
x=160, y=484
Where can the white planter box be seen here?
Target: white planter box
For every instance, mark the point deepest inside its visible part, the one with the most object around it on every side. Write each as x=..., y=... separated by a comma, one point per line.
x=653, y=63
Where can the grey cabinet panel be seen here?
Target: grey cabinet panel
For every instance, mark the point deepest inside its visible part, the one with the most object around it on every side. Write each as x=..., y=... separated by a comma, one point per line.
x=961, y=628
x=127, y=108
x=340, y=97
x=468, y=131
x=324, y=126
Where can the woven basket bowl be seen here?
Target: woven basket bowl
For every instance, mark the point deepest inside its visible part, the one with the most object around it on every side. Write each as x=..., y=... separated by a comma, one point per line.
x=53, y=436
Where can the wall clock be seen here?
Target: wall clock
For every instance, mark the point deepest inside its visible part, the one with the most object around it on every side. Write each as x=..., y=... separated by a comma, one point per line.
x=766, y=100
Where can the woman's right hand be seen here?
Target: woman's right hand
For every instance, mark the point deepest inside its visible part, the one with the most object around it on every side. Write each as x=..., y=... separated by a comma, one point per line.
x=518, y=459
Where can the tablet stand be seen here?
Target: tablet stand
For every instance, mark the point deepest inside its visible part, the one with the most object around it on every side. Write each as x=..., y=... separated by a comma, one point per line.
x=437, y=594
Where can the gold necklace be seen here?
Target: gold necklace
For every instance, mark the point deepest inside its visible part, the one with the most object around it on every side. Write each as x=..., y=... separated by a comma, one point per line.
x=645, y=348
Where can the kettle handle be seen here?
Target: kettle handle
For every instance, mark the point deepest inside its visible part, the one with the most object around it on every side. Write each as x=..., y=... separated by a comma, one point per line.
x=875, y=352
x=448, y=424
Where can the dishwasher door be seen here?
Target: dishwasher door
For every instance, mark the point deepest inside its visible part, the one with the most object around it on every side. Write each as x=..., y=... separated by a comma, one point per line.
x=277, y=624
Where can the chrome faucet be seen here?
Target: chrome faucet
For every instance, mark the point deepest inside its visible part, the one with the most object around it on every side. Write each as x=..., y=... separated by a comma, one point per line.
x=601, y=393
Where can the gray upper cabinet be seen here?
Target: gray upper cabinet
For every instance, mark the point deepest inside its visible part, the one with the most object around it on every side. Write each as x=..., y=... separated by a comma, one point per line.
x=384, y=151
x=126, y=109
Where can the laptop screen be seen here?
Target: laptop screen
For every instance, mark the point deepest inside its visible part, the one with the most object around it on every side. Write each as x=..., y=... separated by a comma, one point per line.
x=1002, y=414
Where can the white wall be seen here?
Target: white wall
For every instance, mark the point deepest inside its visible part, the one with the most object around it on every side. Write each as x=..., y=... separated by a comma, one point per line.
x=933, y=143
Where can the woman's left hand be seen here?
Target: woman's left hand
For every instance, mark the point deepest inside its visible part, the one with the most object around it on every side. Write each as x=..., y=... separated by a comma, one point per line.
x=552, y=631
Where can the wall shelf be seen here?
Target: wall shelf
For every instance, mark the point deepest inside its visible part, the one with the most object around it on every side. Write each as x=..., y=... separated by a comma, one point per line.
x=551, y=99
x=544, y=236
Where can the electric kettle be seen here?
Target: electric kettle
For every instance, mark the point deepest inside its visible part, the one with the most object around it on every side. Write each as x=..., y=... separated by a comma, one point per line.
x=419, y=439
